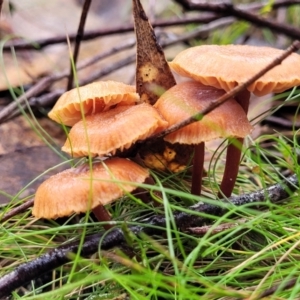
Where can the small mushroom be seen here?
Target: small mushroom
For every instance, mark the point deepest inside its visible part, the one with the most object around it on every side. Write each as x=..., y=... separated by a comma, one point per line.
x=91, y=99
x=79, y=189
x=187, y=98
x=117, y=129
x=225, y=67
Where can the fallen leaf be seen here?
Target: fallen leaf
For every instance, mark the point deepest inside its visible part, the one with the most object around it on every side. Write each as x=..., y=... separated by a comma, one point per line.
x=19, y=168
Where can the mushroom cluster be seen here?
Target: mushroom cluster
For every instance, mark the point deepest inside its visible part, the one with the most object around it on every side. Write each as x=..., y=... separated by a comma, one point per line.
x=106, y=117
x=225, y=67
x=186, y=99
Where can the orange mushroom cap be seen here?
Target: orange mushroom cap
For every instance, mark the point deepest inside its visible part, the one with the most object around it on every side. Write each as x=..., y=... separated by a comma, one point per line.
x=78, y=189
x=93, y=98
x=116, y=129
x=186, y=99
x=224, y=67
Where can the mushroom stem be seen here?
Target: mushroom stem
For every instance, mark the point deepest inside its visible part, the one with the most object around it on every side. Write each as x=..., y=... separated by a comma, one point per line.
x=197, y=172
x=102, y=215
x=233, y=157
x=144, y=194
x=234, y=152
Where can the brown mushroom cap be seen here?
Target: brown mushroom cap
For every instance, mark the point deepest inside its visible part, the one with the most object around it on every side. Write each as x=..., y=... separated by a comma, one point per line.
x=69, y=191
x=225, y=67
x=186, y=99
x=94, y=98
x=116, y=129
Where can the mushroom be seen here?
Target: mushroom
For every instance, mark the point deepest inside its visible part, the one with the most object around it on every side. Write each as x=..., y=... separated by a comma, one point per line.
x=117, y=129
x=91, y=99
x=79, y=189
x=184, y=100
x=225, y=67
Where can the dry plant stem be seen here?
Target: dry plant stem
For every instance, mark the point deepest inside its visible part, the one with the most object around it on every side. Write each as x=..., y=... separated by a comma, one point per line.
x=214, y=104
x=79, y=35
x=228, y=9
x=278, y=287
x=17, y=210
x=92, y=34
x=108, y=69
x=151, y=226
x=216, y=229
x=102, y=215
x=234, y=151
x=197, y=172
x=282, y=122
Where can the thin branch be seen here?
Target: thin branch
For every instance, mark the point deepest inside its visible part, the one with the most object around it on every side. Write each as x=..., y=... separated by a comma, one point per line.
x=151, y=226
x=283, y=122
x=162, y=23
x=228, y=9
x=17, y=210
x=92, y=34
x=78, y=38
x=39, y=87
x=278, y=287
x=202, y=230
x=1, y=2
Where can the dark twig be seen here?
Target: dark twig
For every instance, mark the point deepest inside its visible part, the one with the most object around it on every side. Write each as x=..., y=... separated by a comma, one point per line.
x=218, y=8
x=92, y=34
x=202, y=230
x=40, y=86
x=19, y=44
x=278, y=287
x=152, y=226
x=17, y=210
x=78, y=38
x=1, y=2
x=228, y=9
x=282, y=122
x=215, y=103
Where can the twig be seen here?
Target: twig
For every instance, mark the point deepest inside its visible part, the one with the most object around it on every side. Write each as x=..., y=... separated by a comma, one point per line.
x=215, y=103
x=162, y=23
x=92, y=34
x=17, y=210
x=275, y=4
x=40, y=86
x=78, y=38
x=1, y=2
x=215, y=229
x=152, y=226
x=278, y=287
x=228, y=9
x=200, y=32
